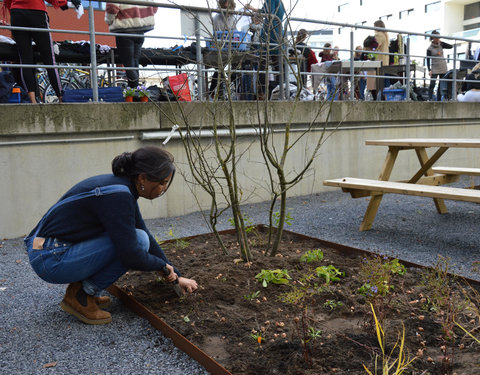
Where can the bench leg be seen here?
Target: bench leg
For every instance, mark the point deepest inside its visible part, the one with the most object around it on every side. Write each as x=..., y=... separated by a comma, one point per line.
x=371, y=212
x=375, y=200
x=424, y=159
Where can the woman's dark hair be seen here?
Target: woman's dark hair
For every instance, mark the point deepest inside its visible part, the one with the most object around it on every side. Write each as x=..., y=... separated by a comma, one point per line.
x=153, y=162
x=301, y=35
x=379, y=23
x=434, y=32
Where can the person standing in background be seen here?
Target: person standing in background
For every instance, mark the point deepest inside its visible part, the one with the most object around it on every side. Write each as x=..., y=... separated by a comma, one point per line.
x=383, y=46
x=272, y=39
x=326, y=54
x=223, y=21
x=436, y=63
x=33, y=13
x=130, y=19
x=306, y=52
x=359, y=55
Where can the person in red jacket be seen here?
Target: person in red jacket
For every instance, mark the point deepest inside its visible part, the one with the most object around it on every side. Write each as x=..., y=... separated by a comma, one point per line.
x=33, y=13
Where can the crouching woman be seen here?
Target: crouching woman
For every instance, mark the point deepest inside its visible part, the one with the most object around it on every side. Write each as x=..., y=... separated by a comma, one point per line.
x=95, y=233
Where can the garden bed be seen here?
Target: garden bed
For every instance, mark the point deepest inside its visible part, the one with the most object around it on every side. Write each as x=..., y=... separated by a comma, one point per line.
x=309, y=325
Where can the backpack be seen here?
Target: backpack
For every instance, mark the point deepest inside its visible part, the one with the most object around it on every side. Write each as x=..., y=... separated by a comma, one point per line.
x=6, y=84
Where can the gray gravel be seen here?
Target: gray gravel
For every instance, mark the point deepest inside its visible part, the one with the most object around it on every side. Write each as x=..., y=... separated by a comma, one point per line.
x=34, y=330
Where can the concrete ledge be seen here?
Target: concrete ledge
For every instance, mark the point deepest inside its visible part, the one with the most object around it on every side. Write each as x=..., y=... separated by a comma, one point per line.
x=26, y=119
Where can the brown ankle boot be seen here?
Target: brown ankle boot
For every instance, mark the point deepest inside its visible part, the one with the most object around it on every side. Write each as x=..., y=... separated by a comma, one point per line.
x=103, y=301
x=83, y=306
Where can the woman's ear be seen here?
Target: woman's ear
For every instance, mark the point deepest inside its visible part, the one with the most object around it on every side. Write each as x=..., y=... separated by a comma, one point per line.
x=141, y=179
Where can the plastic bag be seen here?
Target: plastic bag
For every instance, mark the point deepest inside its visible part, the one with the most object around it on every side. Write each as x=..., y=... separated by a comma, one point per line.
x=180, y=87
x=305, y=95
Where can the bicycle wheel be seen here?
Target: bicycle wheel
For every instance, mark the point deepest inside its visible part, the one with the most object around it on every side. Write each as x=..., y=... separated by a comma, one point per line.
x=48, y=94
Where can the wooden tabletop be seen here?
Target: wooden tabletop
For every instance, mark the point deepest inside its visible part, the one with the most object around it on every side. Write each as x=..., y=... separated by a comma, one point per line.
x=427, y=142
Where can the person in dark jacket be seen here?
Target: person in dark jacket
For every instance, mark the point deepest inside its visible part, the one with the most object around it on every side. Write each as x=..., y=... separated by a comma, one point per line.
x=436, y=63
x=95, y=233
x=272, y=41
x=309, y=57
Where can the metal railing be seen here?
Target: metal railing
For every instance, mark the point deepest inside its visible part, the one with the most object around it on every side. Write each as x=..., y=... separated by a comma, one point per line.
x=286, y=65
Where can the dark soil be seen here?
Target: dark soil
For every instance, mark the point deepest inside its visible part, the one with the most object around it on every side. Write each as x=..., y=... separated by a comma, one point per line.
x=305, y=335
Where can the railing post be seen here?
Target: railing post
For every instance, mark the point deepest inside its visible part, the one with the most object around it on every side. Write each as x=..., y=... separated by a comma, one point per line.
x=407, y=70
x=93, y=53
x=454, y=72
x=283, y=71
x=352, y=72
x=199, y=60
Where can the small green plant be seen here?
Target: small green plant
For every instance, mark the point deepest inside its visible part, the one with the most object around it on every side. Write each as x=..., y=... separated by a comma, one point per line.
x=252, y=296
x=304, y=288
x=376, y=273
x=441, y=296
x=332, y=304
x=179, y=243
x=273, y=276
x=312, y=256
x=276, y=218
x=247, y=222
x=314, y=334
x=329, y=273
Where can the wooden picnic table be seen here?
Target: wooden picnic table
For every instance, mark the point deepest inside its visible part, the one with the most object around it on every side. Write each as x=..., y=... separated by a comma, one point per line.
x=425, y=181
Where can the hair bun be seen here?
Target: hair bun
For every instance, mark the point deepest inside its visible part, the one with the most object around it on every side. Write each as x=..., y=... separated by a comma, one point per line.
x=122, y=164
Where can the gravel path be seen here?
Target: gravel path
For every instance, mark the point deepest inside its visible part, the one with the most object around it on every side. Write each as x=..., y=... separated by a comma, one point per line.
x=34, y=331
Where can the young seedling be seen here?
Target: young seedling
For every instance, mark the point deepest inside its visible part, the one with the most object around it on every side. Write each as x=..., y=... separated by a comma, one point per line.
x=273, y=276
x=332, y=304
x=329, y=273
x=312, y=256
x=276, y=218
x=254, y=295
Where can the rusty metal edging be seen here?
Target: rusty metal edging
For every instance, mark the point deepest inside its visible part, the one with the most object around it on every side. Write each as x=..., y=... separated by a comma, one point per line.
x=194, y=352
x=179, y=341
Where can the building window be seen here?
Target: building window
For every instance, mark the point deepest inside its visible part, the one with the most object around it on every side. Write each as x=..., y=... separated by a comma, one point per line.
x=405, y=13
x=471, y=27
x=342, y=7
x=386, y=17
x=471, y=11
x=432, y=7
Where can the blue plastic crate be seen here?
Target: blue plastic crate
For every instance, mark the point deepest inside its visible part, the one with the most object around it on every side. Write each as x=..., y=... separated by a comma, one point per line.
x=237, y=40
x=394, y=95
x=106, y=94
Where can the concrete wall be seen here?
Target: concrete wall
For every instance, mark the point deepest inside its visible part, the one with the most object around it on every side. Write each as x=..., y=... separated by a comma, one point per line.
x=45, y=149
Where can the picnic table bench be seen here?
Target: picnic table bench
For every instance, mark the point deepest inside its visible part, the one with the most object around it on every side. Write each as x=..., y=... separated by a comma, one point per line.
x=426, y=182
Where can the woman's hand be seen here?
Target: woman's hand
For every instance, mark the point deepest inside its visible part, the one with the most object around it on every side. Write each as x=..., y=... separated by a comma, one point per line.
x=171, y=276
x=187, y=285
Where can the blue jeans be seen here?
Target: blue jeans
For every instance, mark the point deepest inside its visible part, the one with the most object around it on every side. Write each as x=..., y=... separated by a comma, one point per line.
x=332, y=88
x=94, y=262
